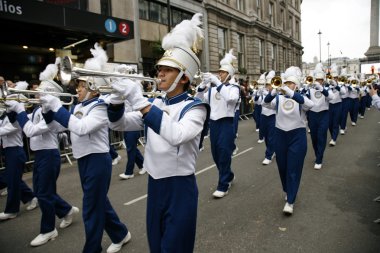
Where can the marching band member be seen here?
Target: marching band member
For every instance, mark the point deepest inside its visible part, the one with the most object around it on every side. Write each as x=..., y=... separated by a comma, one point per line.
x=268, y=122
x=174, y=128
x=345, y=101
x=223, y=99
x=353, y=98
x=47, y=161
x=375, y=97
x=258, y=101
x=88, y=127
x=319, y=115
x=15, y=158
x=335, y=105
x=291, y=130
x=363, y=95
x=237, y=114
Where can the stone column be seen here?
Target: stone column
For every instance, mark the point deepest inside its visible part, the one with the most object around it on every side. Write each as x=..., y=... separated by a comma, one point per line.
x=374, y=49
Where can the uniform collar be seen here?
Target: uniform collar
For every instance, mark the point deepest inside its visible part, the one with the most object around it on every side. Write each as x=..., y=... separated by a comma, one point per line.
x=86, y=102
x=176, y=99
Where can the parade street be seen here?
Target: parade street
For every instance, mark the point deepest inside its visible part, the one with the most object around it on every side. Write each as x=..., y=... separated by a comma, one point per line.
x=335, y=210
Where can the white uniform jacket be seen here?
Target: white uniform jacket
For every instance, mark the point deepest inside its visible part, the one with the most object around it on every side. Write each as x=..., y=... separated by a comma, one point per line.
x=10, y=134
x=290, y=112
x=173, y=131
x=222, y=99
x=35, y=128
x=88, y=125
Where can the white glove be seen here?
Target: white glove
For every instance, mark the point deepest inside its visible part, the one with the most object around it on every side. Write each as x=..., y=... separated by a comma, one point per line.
x=288, y=91
x=211, y=78
x=132, y=92
x=202, y=85
x=114, y=99
x=273, y=92
x=14, y=106
x=50, y=102
x=333, y=83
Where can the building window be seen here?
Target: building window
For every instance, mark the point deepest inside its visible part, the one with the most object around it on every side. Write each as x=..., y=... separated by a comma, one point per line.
x=144, y=9
x=282, y=19
x=290, y=25
x=285, y=58
x=240, y=52
x=241, y=5
x=158, y=12
x=106, y=7
x=178, y=16
x=225, y=1
x=271, y=13
x=222, y=42
x=273, y=56
x=258, y=5
x=261, y=54
x=297, y=30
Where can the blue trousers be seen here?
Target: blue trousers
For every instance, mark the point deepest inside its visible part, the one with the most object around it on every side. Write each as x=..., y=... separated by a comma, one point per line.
x=236, y=121
x=363, y=105
x=47, y=166
x=18, y=190
x=345, y=109
x=335, y=114
x=267, y=129
x=290, y=156
x=222, y=145
x=256, y=115
x=354, y=109
x=3, y=180
x=134, y=155
x=98, y=214
x=172, y=214
x=318, y=124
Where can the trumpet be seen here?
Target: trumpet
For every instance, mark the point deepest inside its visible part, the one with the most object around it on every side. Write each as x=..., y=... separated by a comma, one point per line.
x=5, y=91
x=309, y=80
x=276, y=83
x=68, y=72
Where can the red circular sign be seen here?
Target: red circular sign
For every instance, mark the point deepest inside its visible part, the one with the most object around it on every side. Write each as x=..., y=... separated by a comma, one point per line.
x=124, y=28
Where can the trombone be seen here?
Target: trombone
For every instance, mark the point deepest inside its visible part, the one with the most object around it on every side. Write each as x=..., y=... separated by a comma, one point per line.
x=68, y=72
x=6, y=91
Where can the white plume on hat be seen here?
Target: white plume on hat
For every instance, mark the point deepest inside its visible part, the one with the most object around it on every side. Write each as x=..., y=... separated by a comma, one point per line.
x=47, y=76
x=334, y=70
x=293, y=74
x=319, y=72
x=98, y=63
x=226, y=63
x=270, y=75
x=261, y=79
x=186, y=34
x=181, y=44
x=124, y=69
x=21, y=85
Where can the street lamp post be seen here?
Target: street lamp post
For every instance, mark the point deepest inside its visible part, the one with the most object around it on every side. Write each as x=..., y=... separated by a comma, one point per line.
x=328, y=54
x=320, y=33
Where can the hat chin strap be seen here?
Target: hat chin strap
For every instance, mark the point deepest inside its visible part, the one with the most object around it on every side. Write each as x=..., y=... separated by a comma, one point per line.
x=175, y=83
x=225, y=79
x=87, y=95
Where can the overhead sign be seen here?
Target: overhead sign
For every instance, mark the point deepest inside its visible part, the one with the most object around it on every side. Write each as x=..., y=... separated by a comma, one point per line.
x=67, y=18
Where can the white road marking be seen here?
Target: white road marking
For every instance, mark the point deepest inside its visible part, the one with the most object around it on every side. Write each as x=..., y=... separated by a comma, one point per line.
x=196, y=173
